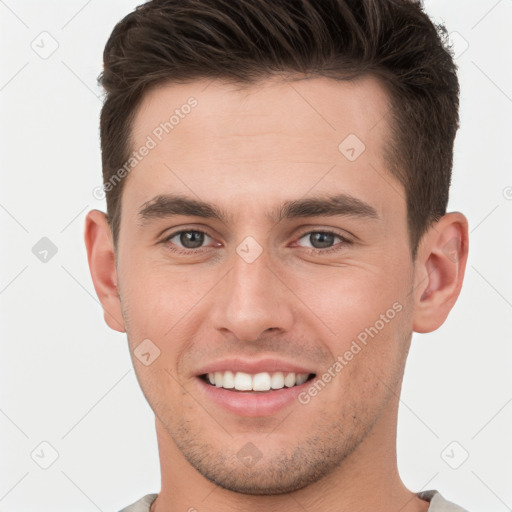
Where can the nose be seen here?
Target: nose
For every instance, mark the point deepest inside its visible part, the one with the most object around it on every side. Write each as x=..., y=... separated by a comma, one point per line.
x=252, y=299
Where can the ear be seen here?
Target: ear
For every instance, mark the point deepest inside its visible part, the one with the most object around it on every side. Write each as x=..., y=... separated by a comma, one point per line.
x=439, y=271
x=101, y=257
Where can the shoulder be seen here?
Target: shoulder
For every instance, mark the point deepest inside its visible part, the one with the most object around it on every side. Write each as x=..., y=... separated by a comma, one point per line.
x=141, y=505
x=438, y=503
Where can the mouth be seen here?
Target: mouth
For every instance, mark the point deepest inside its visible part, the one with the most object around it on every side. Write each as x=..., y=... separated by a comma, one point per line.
x=246, y=387
x=262, y=382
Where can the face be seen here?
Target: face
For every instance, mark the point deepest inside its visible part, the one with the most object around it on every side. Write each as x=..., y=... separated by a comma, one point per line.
x=298, y=264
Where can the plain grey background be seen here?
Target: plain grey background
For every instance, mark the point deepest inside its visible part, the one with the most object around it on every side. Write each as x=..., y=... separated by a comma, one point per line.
x=67, y=380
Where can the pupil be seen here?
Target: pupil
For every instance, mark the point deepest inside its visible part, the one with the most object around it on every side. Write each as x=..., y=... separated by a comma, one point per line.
x=192, y=239
x=324, y=239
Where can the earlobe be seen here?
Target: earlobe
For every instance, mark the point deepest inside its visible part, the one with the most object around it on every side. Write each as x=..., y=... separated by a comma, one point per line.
x=101, y=258
x=440, y=267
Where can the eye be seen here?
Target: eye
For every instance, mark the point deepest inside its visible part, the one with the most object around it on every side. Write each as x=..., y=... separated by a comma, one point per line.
x=189, y=239
x=322, y=241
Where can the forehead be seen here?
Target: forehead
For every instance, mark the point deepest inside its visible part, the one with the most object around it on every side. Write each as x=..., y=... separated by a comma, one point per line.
x=275, y=138
x=311, y=108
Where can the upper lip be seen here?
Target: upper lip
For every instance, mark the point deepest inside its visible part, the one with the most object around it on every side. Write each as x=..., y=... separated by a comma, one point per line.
x=238, y=364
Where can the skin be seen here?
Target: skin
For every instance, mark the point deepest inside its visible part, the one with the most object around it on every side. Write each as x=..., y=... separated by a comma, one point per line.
x=248, y=151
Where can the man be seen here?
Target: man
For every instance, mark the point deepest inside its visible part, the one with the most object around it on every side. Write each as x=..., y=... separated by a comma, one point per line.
x=277, y=176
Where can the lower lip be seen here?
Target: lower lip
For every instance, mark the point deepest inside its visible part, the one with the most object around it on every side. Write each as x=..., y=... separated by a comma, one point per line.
x=255, y=403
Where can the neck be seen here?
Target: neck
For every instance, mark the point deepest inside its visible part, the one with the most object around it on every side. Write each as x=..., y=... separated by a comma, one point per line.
x=367, y=479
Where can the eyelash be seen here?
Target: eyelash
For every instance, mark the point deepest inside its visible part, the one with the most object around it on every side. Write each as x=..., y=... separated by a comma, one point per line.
x=187, y=252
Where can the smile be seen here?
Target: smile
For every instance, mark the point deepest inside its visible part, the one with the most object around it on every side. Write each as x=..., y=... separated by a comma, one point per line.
x=253, y=394
x=263, y=381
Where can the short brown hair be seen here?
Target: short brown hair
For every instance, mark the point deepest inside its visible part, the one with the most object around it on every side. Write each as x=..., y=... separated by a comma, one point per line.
x=244, y=41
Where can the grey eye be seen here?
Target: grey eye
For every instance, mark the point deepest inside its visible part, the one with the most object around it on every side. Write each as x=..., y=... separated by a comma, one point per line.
x=189, y=239
x=320, y=239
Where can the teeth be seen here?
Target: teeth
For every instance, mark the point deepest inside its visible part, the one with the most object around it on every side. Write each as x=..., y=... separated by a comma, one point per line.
x=263, y=381
x=229, y=380
x=301, y=378
x=243, y=381
x=277, y=380
x=289, y=380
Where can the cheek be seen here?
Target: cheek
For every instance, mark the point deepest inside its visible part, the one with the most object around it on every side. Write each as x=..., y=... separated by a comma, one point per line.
x=365, y=317
x=370, y=366
x=350, y=300
x=155, y=296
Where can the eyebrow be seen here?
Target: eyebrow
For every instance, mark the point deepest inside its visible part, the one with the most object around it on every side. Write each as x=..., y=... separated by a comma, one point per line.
x=169, y=205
